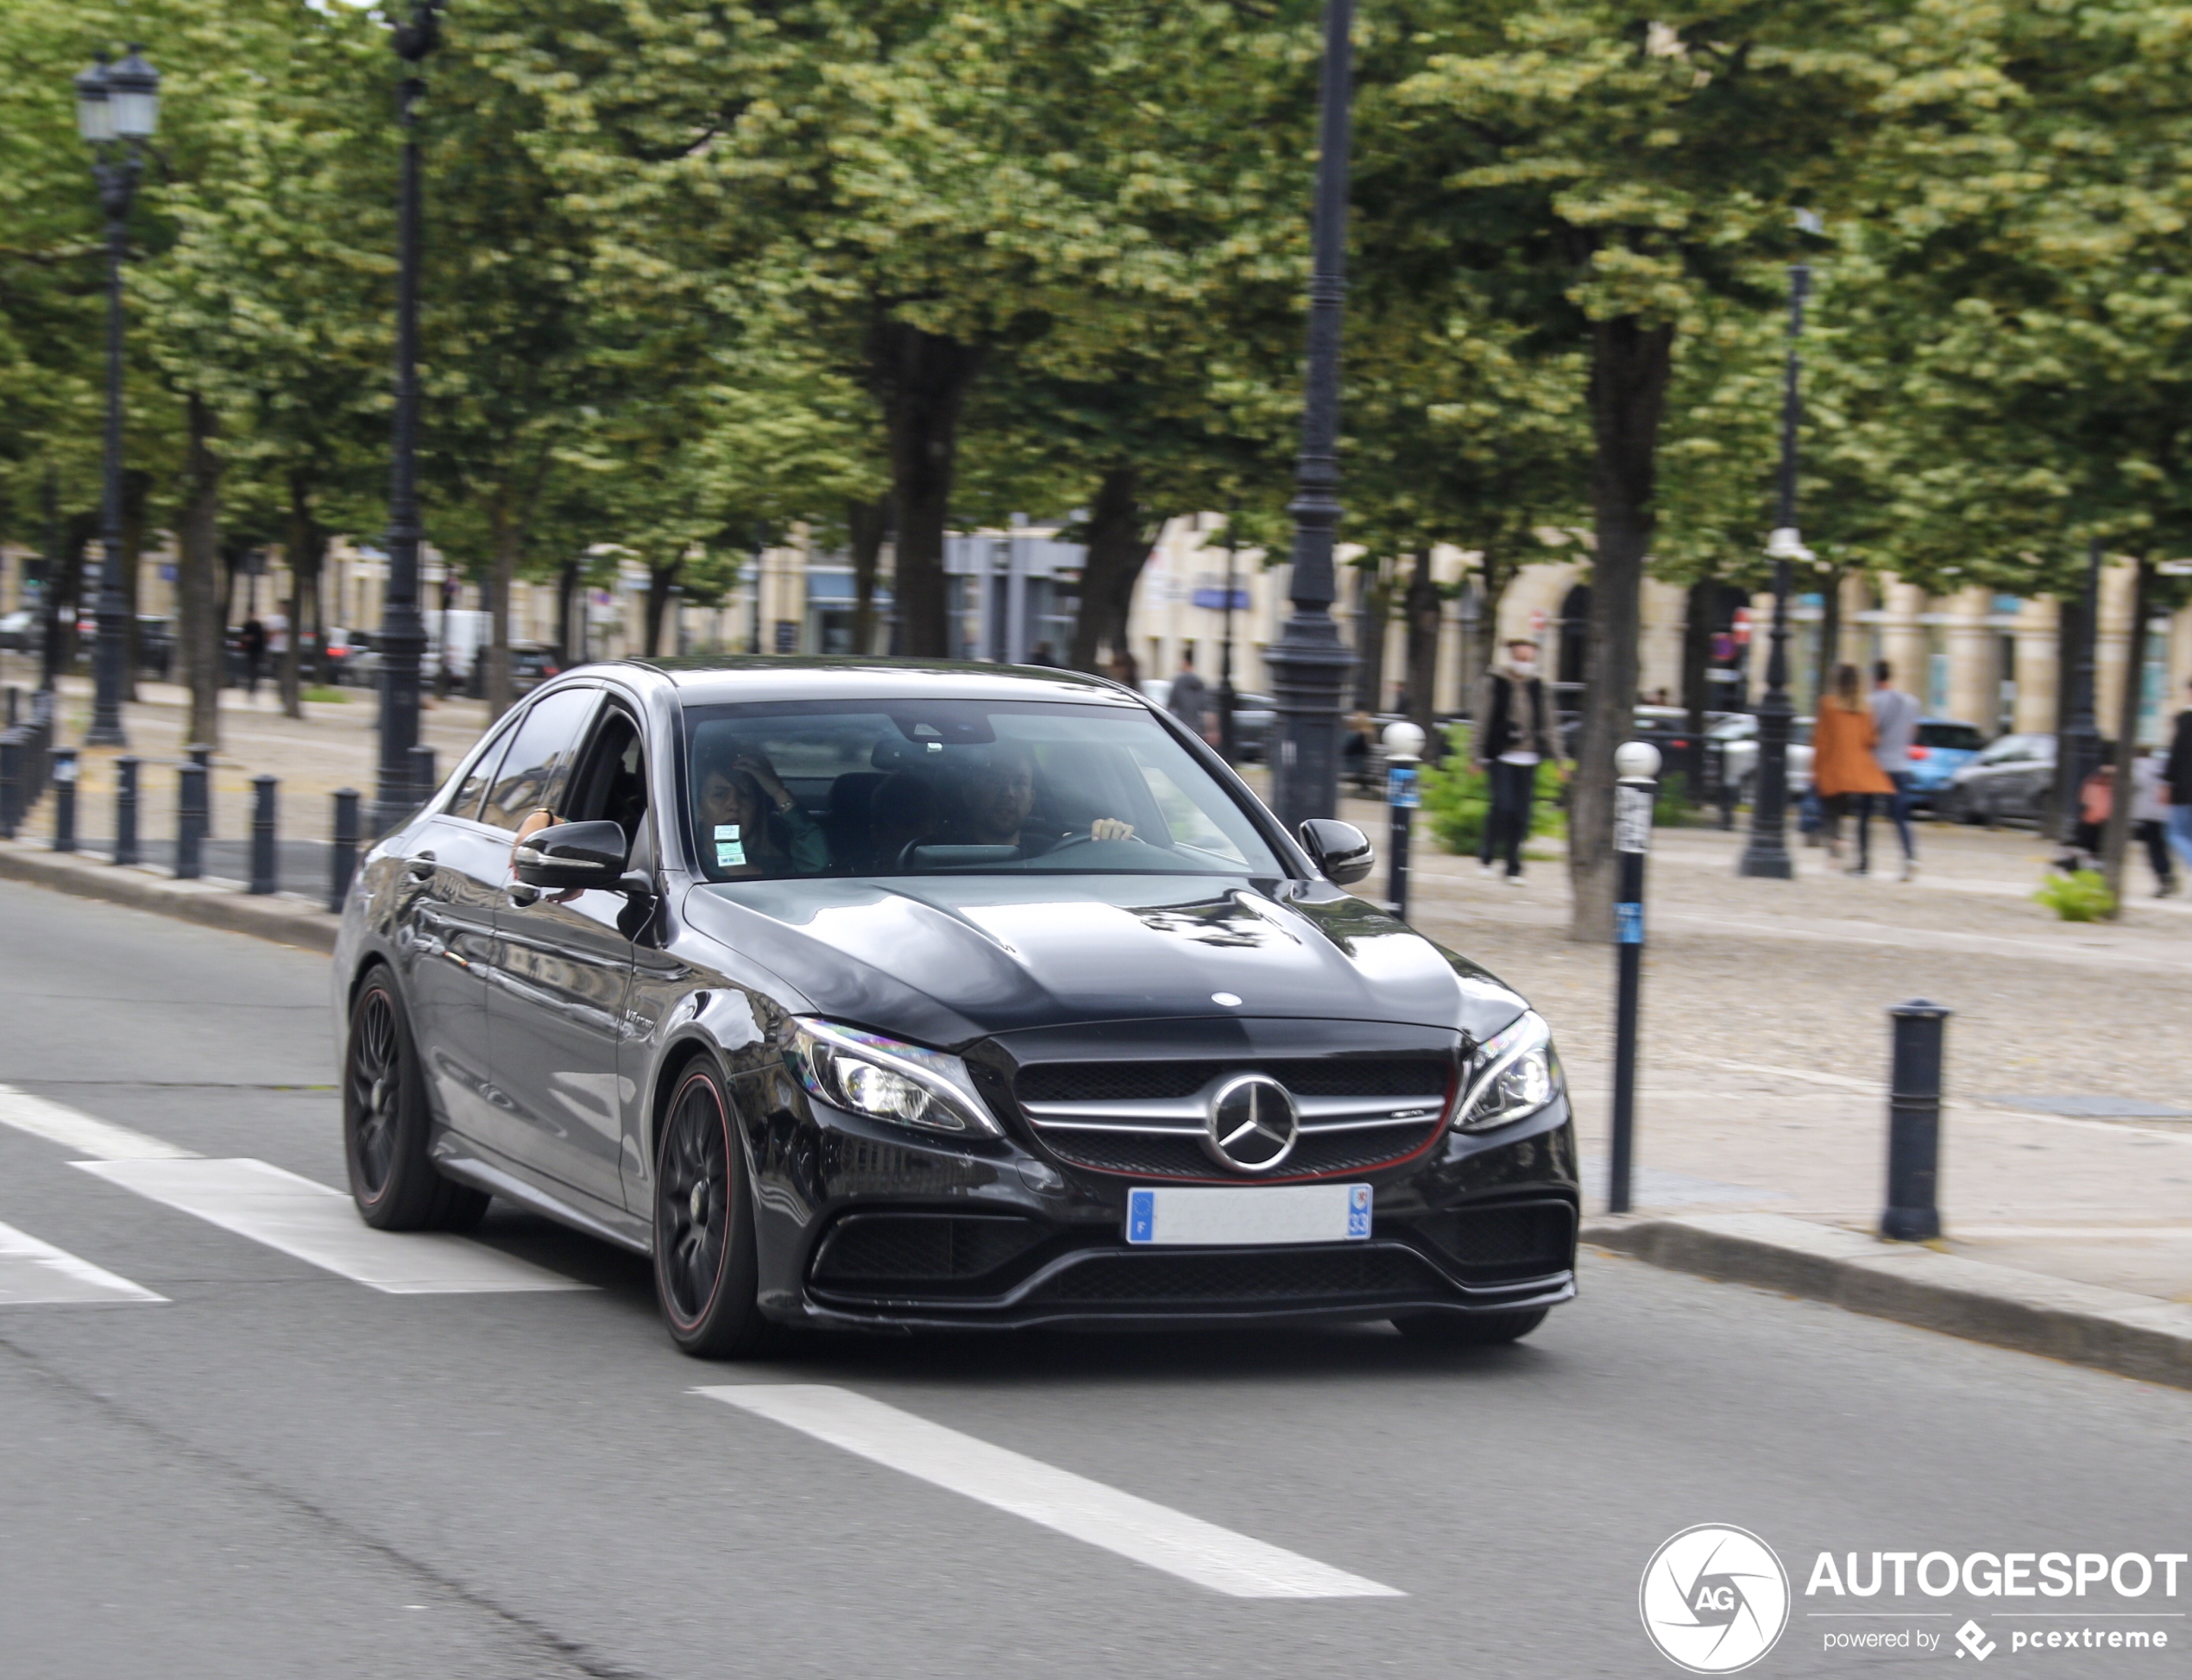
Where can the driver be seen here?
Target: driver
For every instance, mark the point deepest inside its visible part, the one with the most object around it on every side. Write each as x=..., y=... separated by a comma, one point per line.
x=738, y=803
x=998, y=795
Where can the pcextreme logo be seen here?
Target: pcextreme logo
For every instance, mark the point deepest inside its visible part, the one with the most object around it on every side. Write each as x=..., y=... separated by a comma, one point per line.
x=1714, y=1599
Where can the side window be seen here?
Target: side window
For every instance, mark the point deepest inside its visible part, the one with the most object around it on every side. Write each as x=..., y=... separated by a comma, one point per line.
x=534, y=769
x=481, y=777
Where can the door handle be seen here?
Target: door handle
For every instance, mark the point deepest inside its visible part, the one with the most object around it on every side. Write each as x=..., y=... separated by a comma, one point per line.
x=421, y=868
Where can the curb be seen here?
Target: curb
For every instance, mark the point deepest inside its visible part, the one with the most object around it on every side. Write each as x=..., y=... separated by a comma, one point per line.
x=2112, y=1330
x=283, y=918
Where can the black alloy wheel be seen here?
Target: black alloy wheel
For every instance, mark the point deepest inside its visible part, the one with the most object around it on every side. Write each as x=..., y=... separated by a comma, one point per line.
x=704, y=1267
x=386, y=1127
x=1475, y=1330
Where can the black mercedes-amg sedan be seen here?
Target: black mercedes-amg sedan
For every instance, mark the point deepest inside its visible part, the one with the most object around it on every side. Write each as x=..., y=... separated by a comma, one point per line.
x=880, y=996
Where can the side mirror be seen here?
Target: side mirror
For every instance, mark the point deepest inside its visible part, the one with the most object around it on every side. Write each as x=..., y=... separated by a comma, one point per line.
x=572, y=855
x=1341, y=850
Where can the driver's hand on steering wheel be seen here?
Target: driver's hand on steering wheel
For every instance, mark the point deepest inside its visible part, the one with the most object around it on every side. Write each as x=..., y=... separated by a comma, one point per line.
x=1110, y=828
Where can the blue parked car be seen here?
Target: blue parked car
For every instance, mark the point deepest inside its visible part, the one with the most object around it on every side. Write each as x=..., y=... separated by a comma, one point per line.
x=1943, y=747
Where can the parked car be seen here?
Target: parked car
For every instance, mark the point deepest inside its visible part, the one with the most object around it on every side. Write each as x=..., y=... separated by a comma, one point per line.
x=531, y=663
x=1738, y=735
x=1253, y=713
x=892, y=997
x=20, y=631
x=1943, y=747
x=2010, y=780
x=351, y=655
x=1667, y=727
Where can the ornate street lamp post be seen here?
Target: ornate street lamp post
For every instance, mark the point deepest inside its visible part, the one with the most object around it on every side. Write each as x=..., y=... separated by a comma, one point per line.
x=1767, y=854
x=403, y=633
x=1309, y=662
x=117, y=107
x=1228, y=734
x=2081, y=733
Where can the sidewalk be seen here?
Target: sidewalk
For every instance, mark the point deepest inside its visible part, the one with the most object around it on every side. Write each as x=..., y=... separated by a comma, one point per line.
x=335, y=745
x=2067, y=1138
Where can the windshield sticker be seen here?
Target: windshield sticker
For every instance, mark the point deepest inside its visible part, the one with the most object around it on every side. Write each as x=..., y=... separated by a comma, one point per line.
x=730, y=850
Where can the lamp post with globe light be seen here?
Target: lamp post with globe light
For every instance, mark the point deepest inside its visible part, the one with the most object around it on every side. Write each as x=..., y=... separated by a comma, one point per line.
x=117, y=108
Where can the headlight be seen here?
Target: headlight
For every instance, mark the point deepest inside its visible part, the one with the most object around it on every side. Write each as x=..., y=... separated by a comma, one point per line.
x=1515, y=1073
x=867, y=1074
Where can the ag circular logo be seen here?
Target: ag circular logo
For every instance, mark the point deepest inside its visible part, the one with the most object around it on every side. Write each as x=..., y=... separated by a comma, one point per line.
x=1251, y=1123
x=1714, y=1599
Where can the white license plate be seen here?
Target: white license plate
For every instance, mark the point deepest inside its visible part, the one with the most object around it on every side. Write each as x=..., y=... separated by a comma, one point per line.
x=1180, y=1216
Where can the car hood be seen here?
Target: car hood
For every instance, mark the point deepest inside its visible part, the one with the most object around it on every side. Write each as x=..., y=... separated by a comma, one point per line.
x=945, y=961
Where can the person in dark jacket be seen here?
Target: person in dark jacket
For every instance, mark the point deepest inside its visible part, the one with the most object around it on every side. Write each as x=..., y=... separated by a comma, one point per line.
x=2177, y=774
x=1516, y=732
x=1190, y=697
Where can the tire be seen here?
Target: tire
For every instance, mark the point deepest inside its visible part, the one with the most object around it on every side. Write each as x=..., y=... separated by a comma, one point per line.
x=385, y=1124
x=1477, y=1330
x=705, y=1272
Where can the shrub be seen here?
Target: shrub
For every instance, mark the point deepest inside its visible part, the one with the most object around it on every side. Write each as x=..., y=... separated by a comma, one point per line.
x=2083, y=896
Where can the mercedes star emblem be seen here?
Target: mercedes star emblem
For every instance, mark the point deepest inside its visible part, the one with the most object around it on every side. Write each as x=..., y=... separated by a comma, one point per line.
x=1252, y=1125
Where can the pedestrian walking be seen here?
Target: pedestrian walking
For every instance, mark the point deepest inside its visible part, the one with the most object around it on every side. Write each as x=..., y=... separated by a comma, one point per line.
x=1895, y=720
x=1844, y=768
x=2177, y=774
x=1189, y=700
x=1124, y=669
x=1515, y=734
x=2150, y=813
x=255, y=655
x=2096, y=798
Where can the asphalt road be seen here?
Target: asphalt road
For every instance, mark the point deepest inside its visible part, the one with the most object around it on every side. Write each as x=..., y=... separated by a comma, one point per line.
x=278, y=1471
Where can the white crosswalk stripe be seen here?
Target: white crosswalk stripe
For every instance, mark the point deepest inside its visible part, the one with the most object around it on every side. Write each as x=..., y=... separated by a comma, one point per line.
x=1103, y=1516
x=86, y=1133
x=310, y=1222
x=33, y=1272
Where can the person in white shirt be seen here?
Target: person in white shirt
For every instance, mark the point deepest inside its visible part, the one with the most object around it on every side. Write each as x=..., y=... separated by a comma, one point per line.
x=2149, y=816
x=1895, y=719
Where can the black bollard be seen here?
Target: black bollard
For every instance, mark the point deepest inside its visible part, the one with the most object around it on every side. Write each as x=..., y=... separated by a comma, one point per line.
x=1913, y=1213
x=125, y=808
x=1403, y=794
x=203, y=757
x=1635, y=763
x=14, y=752
x=64, y=799
x=344, y=858
x=263, y=834
x=424, y=780
x=190, y=822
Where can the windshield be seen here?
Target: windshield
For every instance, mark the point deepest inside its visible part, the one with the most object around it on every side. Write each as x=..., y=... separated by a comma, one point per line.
x=954, y=787
x=1951, y=737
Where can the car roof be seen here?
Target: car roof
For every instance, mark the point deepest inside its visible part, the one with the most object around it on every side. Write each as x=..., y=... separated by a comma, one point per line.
x=733, y=680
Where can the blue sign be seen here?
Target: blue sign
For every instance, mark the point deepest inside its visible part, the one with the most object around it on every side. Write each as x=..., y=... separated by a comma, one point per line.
x=1215, y=599
x=1358, y=1211
x=1402, y=792
x=1629, y=924
x=1141, y=1216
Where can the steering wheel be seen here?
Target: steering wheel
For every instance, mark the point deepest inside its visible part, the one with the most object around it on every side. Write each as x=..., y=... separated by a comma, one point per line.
x=1089, y=840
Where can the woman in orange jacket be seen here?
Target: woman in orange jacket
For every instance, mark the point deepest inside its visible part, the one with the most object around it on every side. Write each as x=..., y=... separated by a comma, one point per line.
x=1844, y=768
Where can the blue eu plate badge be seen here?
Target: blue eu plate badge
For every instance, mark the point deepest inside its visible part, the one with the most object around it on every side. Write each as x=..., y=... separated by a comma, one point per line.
x=1358, y=1210
x=1141, y=1216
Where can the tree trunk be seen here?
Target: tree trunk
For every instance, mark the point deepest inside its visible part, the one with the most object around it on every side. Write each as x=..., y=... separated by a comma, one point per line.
x=199, y=639
x=2069, y=636
x=136, y=489
x=81, y=529
x=1629, y=377
x=659, y=579
x=1493, y=576
x=1119, y=547
x=570, y=581
x=1373, y=607
x=1423, y=609
x=866, y=522
x=922, y=380
x=2118, y=831
x=504, y=534
x=304, y=562
x=1697, y=659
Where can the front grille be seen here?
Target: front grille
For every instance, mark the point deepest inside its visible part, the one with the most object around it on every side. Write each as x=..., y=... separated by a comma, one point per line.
x=1146, y=1118
x=894, y=1247
x=1517, y=1241
x=1308, y=1277
x=1133, y=1081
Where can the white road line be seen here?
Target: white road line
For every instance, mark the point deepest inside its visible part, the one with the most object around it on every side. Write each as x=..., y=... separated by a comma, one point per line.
x=307, y=1220
x=1136, y=1528
x=36, y=1272
x=73, y=1129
